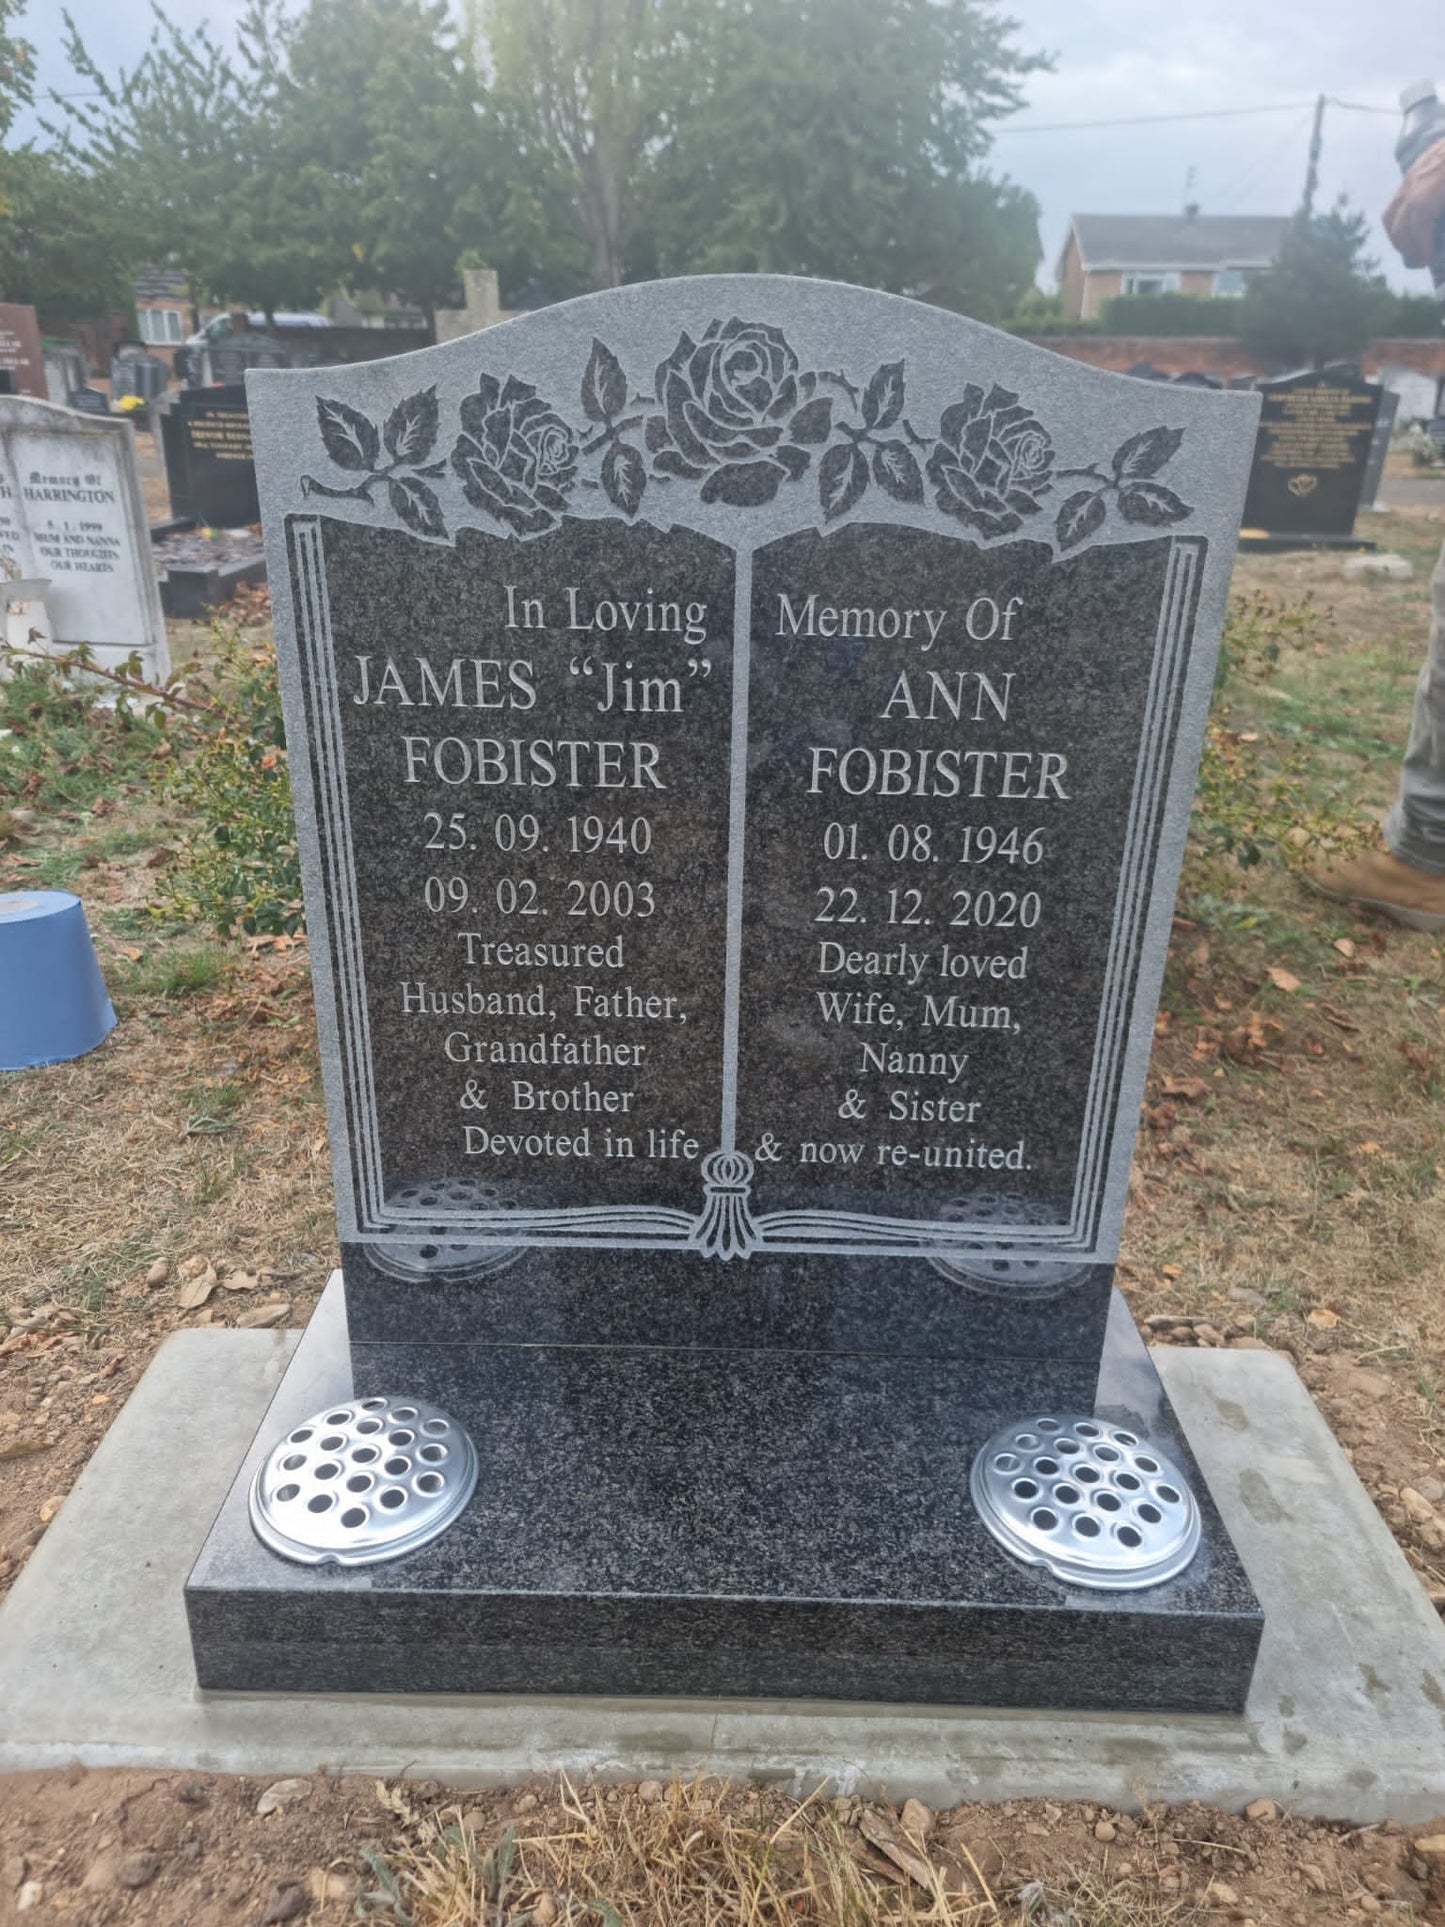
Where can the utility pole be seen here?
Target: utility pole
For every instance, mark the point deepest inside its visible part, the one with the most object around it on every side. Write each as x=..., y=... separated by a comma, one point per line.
x=1312, y=173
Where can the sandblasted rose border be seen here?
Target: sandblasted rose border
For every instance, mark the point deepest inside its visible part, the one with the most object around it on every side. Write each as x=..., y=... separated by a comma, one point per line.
x=735, y=415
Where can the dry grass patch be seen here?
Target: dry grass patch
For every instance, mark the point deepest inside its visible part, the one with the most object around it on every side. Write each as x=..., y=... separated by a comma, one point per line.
x=708, y=1853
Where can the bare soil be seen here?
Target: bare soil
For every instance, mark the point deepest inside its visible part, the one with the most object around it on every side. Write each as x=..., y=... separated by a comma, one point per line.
x=99, y=1849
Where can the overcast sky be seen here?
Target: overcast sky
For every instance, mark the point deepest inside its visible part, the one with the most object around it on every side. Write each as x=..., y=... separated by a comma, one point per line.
x=1113, y=59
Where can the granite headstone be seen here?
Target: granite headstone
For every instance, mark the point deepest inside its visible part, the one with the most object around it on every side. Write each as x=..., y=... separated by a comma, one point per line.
x=210, y=465
x=743, y=733
x=72, y=513
x=1379, y=448
x=1314, y=442
x=21, y=356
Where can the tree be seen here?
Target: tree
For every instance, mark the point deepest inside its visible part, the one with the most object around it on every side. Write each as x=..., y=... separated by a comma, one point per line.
x=17, y=67
x=346, y=146
x=843, y=138
x=584, y=84
x=61, y=251
x=1322, y=299
x=186, y=151
x=386, y=118
x=824, y=137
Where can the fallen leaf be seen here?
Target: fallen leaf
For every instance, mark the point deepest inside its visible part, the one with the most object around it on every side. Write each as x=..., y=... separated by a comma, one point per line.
x=241, y=1280
x=880, y=1834
x=1338, y=1017
x=263, y=1317
x=1369, y=1149
x=1284, y=980
x=193, y=1266
x=1194, y=1089
x=130, y=950
x=1419, y=1057
x=281, y=1794
x=1322, y=1320
x=1344, y=946
x=197, y=1288
x=1172, y=1271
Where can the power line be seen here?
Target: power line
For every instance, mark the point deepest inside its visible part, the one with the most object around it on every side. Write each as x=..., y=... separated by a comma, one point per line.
x=1154, y=120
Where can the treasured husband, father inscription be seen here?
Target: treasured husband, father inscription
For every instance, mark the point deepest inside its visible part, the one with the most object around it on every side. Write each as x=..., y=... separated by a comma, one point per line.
x=743, y=733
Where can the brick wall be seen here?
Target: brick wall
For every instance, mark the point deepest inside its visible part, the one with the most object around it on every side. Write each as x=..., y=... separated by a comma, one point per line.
x=1224, y=356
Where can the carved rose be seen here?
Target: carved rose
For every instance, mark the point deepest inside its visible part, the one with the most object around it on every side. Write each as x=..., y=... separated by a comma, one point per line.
x=516, y=457
x=736, y=410
x=993, y=461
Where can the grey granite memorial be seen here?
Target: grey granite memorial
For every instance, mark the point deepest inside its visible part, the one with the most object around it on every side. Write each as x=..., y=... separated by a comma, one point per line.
x=72, y=514
x=743, y=733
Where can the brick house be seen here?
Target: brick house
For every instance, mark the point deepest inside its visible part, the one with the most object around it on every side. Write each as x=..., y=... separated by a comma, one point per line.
x=1189, y=253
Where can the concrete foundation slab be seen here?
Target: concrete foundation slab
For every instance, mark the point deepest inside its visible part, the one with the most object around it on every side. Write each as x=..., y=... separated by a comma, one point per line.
x=1346, y=1718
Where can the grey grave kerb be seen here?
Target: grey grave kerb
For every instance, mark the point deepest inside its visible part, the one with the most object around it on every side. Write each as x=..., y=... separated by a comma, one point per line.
x=1346, y=1718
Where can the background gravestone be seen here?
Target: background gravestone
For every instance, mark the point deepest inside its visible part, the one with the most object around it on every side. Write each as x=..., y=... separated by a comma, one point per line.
x=20, y=352
x=1309, y=461
x=135, y=372
x=72, y=512
x=743, y=735
x=210, y=465
x=228, y=357
x=1379, y=448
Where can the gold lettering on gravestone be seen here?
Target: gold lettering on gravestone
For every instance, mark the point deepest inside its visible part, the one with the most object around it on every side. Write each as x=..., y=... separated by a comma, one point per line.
x=1320, y=429
x=226, y=437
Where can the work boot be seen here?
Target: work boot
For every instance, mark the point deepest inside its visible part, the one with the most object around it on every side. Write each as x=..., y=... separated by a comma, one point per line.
x=1379, y=880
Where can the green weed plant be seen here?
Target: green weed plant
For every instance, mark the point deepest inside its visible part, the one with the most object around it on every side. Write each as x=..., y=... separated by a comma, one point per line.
x=236, y=867
x=1261, y=796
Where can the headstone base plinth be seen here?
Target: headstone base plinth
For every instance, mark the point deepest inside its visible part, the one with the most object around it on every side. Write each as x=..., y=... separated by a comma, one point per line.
x=1258, y=542
x=750, y=1523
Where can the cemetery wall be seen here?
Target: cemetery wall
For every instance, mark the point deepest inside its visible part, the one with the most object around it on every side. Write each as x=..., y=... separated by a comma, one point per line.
x=1226, y=355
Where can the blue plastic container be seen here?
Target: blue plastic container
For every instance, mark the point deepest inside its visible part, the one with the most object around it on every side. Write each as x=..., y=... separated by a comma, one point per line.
x=53, y=1002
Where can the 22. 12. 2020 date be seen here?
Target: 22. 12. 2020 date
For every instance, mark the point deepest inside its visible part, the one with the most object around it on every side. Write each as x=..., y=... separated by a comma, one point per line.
x=967, y=909
x=520, y=897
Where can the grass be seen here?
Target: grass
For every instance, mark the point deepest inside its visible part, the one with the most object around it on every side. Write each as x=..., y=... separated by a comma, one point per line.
x=707, y=1853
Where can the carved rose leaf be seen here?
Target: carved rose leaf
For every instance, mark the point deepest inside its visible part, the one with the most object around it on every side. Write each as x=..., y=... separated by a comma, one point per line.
x=1080, y=517
x=895, y=468
x=416, y=505
x=1152, y=504
x=411, y=427
x=624, y=477
x=604, y=385
x=814, y=422
x=842, y=478
x=1147, y=453
x=883, y=397
x=350, y=439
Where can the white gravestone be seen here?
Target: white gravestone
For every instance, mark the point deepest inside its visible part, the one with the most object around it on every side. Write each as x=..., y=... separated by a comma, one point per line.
x=72, y=515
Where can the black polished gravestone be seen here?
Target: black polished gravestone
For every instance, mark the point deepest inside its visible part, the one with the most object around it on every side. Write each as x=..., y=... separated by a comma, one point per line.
x=210, y=464
x=1315, y=433
x=743, y=734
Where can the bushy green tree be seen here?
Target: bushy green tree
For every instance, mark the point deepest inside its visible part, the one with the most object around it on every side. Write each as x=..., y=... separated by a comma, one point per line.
x=821, y=137
x=61, y=249
x=1322, y=298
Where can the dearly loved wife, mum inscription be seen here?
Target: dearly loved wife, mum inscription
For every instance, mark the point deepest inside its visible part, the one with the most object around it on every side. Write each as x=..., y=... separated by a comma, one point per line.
x=749, y=729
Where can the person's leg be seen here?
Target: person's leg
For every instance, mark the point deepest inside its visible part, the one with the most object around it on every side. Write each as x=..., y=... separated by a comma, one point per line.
x=1415, y=827
x=1406, y=880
